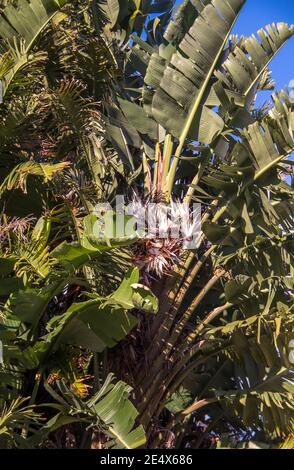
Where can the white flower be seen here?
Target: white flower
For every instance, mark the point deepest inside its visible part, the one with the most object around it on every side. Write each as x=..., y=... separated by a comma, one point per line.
x=169, y=229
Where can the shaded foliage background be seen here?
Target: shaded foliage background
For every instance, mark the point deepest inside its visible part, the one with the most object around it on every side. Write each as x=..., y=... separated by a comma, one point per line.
x=109, y=97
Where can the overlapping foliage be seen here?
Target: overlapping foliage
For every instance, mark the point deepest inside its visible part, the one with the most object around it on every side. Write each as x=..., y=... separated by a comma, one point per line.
x=110, y=97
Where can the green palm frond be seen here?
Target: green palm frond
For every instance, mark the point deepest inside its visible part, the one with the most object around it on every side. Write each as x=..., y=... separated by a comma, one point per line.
x=17, y=179
x=187, y=74
x=20, y=26
x=14, y=417
x=109, y=411
x=245, y=65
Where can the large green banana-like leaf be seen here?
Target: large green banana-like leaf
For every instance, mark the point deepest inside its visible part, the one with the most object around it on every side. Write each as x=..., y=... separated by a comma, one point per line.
x=29, y=304
x=27, y=18
x=109, y=410
x=109, y=8
x=272, y=140
x=131, y=15
x=119, y=414
x=100, y=322
x=264, y=150
x=272, y=397
x=245, y=71
x=263, y=147
x=245, y=65
x=90, y=325
x=183, y=19
x=180, y=80
x=263, y=396
x=21, y=23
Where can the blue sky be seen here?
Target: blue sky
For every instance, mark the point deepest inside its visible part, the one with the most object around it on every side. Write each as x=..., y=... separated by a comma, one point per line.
x=258, y=13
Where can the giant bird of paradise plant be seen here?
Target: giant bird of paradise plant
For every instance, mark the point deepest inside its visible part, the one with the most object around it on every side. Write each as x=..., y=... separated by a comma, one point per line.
x=160, y=103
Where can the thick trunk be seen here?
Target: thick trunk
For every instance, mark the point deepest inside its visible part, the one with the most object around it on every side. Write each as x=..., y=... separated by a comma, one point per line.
x=171, y=352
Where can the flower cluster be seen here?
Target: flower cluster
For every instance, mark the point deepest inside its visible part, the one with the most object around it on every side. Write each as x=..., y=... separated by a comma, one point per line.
x=166, y=230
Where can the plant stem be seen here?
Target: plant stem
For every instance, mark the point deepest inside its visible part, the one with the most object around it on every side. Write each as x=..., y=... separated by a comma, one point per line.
x=211, y=316
x=161, y=328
